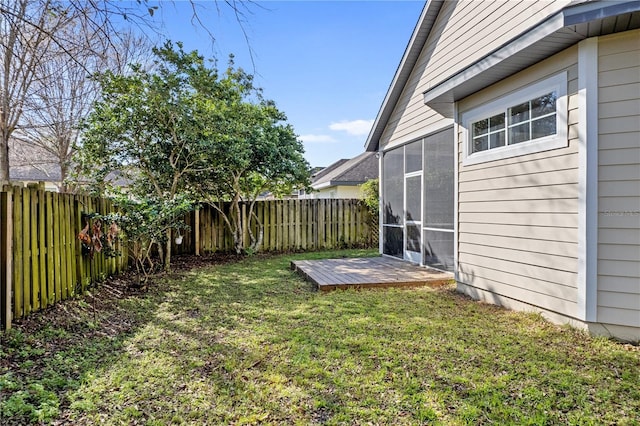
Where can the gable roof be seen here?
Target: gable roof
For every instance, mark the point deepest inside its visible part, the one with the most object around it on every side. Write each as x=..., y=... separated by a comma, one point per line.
x=552, y=35
x=408, y=61
x=44, y=173
x=352, y=172
x=325, y=170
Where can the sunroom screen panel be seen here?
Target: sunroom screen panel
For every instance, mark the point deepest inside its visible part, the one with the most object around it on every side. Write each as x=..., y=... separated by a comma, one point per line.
x=438, y=180
x=393, y=187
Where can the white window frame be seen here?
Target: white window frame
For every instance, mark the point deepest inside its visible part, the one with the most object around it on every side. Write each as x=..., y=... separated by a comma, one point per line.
x=556, y=83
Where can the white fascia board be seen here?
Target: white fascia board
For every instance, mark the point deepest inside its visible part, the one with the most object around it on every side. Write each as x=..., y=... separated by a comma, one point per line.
x=337, y=183
x=523, y=51
x=322, y=185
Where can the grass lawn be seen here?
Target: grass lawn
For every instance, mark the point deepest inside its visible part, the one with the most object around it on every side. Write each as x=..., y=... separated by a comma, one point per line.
x=250, y=342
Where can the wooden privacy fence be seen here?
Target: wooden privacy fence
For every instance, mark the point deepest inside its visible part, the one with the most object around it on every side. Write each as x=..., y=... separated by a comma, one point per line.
x=289, y=225
x=42, y=260
x=41, y=257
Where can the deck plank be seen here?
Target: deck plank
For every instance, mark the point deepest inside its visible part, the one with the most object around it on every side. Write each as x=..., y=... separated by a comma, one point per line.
x=331, y=274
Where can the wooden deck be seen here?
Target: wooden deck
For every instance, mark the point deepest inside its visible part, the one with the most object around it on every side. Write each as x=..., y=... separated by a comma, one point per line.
x=331, y=274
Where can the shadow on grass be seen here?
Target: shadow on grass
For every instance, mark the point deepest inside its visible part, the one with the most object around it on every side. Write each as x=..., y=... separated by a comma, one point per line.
x=252, y=343
x=50, y=353
x=49, y=356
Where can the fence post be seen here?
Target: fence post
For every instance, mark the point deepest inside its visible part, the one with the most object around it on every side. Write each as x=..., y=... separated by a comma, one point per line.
x=196, y=227
x=245, y=225
x=6, y=254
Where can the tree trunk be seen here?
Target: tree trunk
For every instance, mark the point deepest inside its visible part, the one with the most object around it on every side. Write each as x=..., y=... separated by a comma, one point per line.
x=257, y=242
x=63, y=177
x=237, y=242
x=4, y=159
x=237, y=232
x=167, y=254
x=160, y=252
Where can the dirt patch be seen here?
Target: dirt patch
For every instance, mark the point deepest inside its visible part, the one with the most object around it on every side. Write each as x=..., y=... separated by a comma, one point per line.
x=188, y=262
x=100, y=298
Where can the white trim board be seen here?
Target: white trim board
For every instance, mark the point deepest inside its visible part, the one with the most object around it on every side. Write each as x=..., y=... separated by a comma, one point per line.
x=456, y=189
x=588, y=179
x=557, y=83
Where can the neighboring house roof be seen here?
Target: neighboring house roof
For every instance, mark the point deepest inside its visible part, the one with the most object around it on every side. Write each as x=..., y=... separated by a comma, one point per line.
x=29, y=162
x=326, y=170
x=44, y=172
x=552, y=35
x=352, y=172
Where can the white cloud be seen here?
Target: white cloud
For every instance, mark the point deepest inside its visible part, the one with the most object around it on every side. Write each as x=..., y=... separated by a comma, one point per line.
x=317, y=138
x=354, y=127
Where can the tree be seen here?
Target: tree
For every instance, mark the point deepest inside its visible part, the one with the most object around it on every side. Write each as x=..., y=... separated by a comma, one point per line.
x=62, y=98
x=144, y=224
x=144, y=130
x=34, y=35
x=371, y=196
x=167, y=130
x=261, y=153
x=22, y=49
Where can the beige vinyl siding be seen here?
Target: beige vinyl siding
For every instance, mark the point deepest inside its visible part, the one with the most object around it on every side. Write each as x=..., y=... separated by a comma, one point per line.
x=518, y=217
x=464, y=32
x=340, y=191
x=619, y=179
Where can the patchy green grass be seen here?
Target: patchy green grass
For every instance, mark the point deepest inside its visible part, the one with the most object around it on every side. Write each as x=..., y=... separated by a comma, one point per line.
x=250, y=342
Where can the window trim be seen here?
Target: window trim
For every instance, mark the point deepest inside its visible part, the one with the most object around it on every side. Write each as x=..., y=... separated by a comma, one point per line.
x=557, y=83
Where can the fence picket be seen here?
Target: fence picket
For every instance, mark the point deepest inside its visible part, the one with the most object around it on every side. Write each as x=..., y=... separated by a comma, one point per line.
x=42, y=251
x=6, y=259
x=80, y=263
x=26, y=256
x=33, y=244
x=18, y=253
x=303, y=225
x=42, y=261
x=272, y=226
x=312, y=227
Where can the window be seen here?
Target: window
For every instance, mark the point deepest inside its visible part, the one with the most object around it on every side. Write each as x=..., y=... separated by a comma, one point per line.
x=488, y=133
x=530, y=120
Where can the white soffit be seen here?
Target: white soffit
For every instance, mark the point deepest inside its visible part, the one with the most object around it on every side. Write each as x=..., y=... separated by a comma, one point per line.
x=553, y=35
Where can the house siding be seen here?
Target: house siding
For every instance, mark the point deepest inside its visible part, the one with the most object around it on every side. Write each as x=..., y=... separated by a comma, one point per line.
x=463, y=33
x=618, y=298
x=341, y=191
x=518, y=217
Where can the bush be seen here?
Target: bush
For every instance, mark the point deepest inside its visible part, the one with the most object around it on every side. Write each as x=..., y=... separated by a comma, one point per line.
x=371, y=196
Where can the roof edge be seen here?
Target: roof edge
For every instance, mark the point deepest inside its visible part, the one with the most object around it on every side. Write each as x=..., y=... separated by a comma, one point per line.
x=569, y=15
x=409, y=58
x=442, y=93
x=333, y=183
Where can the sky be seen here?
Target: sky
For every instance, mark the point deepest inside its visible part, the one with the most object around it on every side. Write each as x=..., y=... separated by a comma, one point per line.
x=326, y=64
